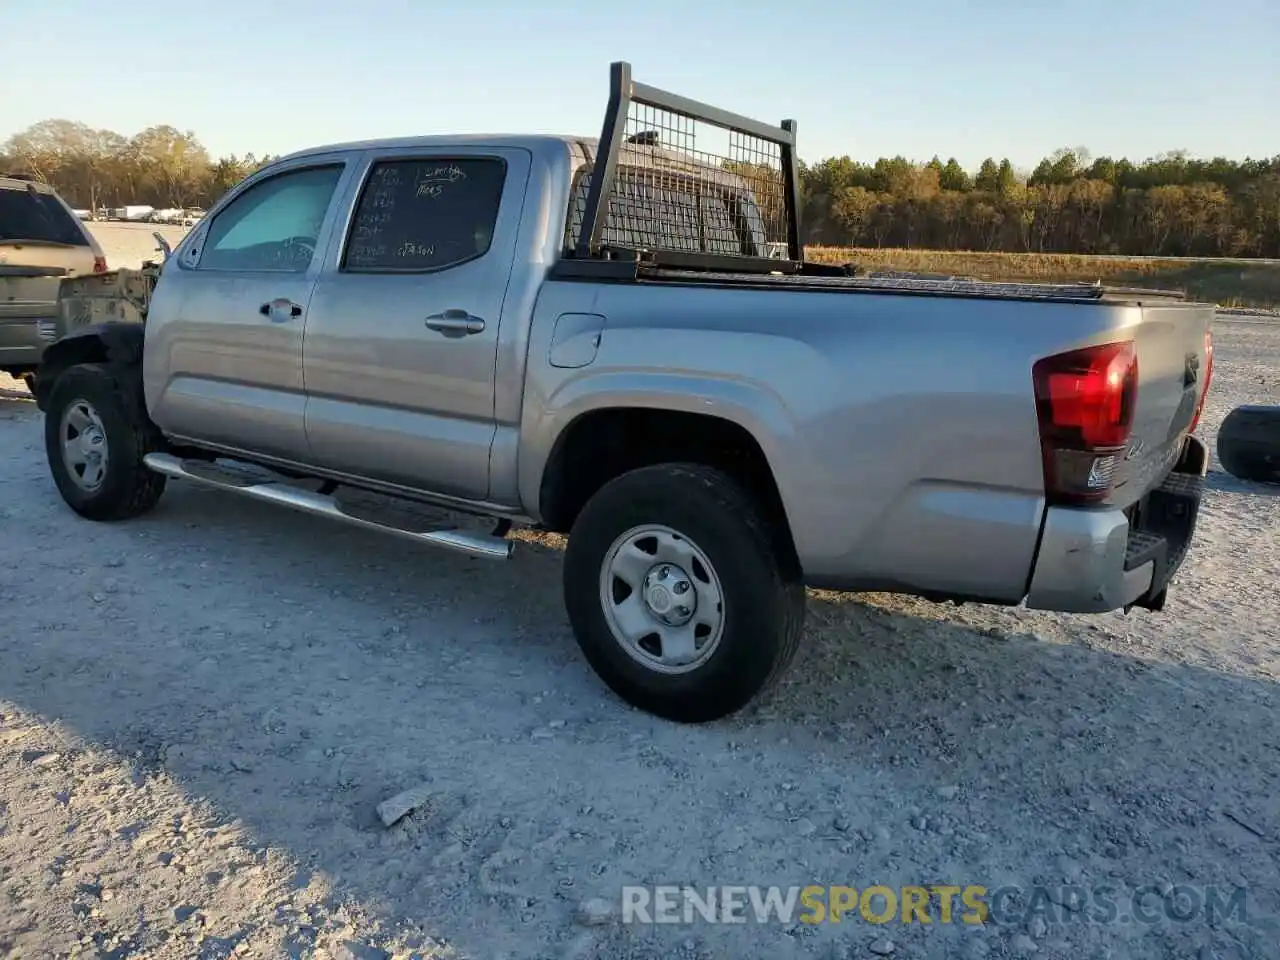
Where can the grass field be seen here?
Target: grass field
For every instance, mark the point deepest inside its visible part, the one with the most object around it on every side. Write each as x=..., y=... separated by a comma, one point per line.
x=1229, y=283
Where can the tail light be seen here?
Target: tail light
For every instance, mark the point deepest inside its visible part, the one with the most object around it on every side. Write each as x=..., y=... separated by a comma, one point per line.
x=1085, y=401
x=99, y=264
x=1208, y=378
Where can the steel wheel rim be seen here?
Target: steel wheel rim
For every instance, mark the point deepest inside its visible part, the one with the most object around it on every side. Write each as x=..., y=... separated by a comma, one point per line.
x=83, y=440
x=662, y=599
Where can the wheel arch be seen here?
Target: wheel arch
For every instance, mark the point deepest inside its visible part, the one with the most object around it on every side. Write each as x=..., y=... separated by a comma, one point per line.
x=598, y=440
x=112, y=342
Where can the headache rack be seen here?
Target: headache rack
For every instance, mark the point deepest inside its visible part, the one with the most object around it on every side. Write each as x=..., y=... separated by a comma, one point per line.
x=681, y=191
x=678, y=183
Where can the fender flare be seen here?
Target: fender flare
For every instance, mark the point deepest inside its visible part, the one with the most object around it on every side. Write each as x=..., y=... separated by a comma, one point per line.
x=759, y=412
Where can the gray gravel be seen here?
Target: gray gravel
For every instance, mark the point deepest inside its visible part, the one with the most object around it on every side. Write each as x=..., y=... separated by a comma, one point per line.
x=201, y=710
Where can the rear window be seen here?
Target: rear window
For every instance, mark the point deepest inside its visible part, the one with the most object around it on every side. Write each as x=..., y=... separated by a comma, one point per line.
x=28, y=215
x=682, y=214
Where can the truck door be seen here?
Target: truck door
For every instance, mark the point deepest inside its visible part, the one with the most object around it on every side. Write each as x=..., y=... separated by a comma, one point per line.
x=402, y=331
x=224, y=333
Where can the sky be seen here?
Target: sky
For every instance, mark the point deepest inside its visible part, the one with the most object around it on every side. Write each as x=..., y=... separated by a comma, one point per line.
x=966, y=78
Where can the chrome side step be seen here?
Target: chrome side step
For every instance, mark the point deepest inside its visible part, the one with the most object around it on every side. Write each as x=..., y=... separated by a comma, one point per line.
x=474, y=544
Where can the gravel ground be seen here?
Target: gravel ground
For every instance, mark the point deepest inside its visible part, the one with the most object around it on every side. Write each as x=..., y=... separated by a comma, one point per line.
x=201, y=710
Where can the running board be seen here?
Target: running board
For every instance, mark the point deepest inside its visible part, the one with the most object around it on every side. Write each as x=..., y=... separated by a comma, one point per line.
x=474, y=544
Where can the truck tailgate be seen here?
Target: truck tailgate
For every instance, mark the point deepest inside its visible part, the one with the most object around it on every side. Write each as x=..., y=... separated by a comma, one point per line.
x=29, y=292
x=1174, y=364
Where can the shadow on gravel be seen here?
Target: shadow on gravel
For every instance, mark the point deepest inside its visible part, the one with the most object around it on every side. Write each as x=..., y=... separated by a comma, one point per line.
x=17, y=403
x=1220, y=480
x=296, y=673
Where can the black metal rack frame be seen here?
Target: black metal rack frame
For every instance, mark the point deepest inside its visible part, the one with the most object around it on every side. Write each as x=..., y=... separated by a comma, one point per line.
x=624, y=93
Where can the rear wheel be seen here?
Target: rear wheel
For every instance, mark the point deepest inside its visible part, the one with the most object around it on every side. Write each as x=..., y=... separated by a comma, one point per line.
x=680, y=594
x=96, y=434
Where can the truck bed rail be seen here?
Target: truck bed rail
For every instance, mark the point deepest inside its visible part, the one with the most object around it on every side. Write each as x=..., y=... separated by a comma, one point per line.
x=950, y=286
x=828, y=277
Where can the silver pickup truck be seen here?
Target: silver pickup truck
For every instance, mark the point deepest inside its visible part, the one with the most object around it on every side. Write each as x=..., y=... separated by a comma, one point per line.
x=597, y=337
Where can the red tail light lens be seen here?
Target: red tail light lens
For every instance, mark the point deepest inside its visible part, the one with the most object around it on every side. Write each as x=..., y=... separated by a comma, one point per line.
x=1208, y=378
x=1085, y=403
x=99, y=264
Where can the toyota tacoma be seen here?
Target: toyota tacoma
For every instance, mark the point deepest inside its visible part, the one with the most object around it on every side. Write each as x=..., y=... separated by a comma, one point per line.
x=598, y=336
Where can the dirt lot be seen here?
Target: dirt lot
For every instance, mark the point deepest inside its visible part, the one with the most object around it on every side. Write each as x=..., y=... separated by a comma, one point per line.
x=200, y=711
x=128, y=244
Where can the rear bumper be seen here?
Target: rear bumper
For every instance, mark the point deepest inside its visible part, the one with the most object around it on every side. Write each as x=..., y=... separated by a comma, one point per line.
x=1092, y=561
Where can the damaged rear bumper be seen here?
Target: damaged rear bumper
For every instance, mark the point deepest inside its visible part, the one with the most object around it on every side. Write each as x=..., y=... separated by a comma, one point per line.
x=1093, y=561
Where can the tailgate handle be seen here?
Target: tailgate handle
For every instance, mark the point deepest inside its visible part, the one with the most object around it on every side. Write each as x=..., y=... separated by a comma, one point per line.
x=1190, y=370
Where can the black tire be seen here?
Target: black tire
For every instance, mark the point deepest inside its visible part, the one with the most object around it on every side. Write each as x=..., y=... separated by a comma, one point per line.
x=760, y=586
x=1249, y=443
x=114, y=394
x=29, y=379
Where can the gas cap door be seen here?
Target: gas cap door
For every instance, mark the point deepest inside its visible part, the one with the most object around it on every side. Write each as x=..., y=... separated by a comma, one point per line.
x=575, y=339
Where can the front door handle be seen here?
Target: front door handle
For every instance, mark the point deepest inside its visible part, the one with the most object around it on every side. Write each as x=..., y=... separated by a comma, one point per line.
x=457, y=323
x=279, y=310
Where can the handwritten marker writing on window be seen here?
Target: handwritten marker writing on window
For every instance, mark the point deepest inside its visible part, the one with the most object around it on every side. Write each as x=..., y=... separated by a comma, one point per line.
x=431, y=183
x=411, y=248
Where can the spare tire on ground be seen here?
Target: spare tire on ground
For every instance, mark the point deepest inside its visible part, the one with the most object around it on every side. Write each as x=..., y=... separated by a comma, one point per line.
x=1249, y=443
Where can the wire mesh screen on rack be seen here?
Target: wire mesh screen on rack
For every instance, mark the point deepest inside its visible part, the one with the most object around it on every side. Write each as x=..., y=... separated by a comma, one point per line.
x=685, y=185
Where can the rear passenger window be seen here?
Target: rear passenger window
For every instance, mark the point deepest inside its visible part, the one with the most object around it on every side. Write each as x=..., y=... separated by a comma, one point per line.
x=421, y=215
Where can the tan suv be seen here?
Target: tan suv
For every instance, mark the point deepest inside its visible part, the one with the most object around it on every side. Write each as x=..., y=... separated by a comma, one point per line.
x=41, y=241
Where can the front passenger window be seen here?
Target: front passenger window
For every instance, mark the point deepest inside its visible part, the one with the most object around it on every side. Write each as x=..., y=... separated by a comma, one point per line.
x=274, y=225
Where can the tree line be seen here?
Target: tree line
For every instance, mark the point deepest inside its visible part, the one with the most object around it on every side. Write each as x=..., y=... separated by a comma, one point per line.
x=91, y=168
x=1170, y=205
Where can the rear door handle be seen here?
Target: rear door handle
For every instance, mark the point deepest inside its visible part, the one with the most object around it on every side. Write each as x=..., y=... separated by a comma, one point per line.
x=280, y=310
x=457, y=323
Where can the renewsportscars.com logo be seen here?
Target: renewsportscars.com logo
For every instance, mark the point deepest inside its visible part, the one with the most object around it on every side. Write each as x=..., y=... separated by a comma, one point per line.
x=971, y=904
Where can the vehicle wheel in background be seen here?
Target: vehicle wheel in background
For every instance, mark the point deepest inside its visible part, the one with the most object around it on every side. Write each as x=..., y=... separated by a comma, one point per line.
x=1249, y=443
x=96, y=432
x=678, y=593
x=30, y=380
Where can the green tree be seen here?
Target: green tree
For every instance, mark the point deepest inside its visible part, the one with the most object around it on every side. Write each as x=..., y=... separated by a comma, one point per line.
x=953, y=177
x=988, y=178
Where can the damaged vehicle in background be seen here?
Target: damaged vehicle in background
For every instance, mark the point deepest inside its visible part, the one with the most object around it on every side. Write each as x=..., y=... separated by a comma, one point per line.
x=41, y=241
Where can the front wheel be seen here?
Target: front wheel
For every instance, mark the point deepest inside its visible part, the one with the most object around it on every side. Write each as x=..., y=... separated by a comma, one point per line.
x=680, y=594
x=96, y=432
